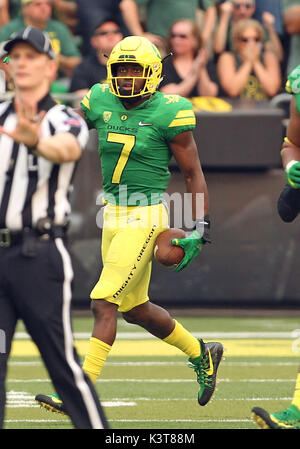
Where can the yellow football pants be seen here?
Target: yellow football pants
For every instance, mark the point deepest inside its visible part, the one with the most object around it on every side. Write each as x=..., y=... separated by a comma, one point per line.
x=128, y=239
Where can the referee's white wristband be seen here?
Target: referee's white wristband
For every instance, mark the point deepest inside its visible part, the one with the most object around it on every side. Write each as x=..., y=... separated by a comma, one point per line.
x=290, y=164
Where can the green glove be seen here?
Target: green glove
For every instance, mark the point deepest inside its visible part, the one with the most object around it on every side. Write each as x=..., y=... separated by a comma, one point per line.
x=292, y=173
x=293, y=86
x=193, y=244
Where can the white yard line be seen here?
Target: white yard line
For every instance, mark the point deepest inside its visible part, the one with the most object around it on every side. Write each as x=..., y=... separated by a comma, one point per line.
x=35, y=420
x=157, y=380
x=134, y=420
x=204, y=335
x=183, y=363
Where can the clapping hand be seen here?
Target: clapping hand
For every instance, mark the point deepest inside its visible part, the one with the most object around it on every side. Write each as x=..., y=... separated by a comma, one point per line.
x=200, y=61
x=251, y=52
x=268, y=20
x=226, y=8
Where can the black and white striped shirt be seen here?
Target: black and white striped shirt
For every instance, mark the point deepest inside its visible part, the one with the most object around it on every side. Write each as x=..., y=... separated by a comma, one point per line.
x=32, y=187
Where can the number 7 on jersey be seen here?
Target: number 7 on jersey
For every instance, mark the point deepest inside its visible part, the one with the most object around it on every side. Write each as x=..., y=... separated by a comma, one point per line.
x=128, y=142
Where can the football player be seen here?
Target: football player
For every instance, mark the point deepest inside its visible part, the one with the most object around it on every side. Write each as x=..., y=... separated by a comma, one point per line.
x=139, y=130
x=288, y=208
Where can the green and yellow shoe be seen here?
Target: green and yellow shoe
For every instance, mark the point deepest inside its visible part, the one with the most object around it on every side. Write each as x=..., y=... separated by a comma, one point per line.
x=51, y=402
x=286, y=419
x=206, y=366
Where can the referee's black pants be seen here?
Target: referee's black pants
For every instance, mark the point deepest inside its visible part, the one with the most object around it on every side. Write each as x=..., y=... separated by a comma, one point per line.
x=38, y=291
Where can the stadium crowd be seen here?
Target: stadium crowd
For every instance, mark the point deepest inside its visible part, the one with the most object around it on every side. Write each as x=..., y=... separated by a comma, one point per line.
x=221, y=48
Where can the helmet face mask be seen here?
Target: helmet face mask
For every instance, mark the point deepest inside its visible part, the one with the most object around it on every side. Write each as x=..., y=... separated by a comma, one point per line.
x=135, y=50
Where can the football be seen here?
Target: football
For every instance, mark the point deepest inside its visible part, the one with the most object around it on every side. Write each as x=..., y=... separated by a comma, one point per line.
x=164, y=252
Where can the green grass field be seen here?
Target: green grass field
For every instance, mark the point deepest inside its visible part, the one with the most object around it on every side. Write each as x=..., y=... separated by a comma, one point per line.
x=146, y=383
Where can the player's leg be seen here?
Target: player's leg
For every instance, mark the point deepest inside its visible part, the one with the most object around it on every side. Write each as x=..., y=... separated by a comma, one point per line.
x=45, y=300
x=296, y=398
x=104, y=312
x=8, y=320
x=127, y=246
x=158, y=322
x=122, y=244
x=288, y=418
x=128, y=240
x=102, y=339
x=204, y=358
x=100, y=343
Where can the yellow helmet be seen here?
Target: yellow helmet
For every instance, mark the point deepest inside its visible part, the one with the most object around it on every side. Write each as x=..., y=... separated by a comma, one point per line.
x=136, y=50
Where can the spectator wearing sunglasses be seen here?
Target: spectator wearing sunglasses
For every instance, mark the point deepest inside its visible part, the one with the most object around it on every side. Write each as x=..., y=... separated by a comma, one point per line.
x=249, y=71
x=92, y=69
x=188, y=72
x=232, y=12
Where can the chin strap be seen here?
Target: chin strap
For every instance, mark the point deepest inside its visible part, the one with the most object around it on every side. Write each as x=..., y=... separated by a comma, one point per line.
x=166, y=57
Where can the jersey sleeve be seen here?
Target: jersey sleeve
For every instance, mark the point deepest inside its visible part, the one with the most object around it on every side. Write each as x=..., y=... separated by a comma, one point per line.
x=91, y=102
x=63, y=119
x=178, y=116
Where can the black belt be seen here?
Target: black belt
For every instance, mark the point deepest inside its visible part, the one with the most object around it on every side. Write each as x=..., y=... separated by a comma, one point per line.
x=11, y=238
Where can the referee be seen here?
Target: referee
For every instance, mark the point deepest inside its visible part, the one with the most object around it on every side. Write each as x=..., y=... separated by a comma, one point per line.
x=40, y=144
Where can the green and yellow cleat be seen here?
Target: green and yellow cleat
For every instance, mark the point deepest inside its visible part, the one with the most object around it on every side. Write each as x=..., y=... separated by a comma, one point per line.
x=206, y=366
x=51, y=402
x=286, y=419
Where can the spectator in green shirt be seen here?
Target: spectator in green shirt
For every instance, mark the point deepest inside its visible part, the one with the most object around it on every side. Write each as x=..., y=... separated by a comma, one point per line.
x=161, y=14
x=63, y=10
x=291, y=20
x=37, y=13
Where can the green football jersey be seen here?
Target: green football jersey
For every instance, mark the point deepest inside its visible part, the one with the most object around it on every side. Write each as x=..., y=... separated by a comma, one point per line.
x=133, y=144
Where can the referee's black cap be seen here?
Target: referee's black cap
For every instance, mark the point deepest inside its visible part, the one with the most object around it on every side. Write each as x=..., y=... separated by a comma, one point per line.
x=34, y=36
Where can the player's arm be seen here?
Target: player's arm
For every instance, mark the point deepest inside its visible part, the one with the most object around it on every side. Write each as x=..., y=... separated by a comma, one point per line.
x=185, y=152
x=291, y=145
x=288, y=204
x=184, y=149
x=290, y=152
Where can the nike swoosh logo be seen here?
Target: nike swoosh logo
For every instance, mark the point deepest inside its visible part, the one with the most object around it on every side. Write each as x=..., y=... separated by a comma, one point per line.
x=145, y=124
x=211, y=366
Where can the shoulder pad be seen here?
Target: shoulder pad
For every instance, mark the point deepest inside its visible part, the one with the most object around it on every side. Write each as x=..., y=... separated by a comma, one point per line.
x=169, y=99
x=293, y=82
